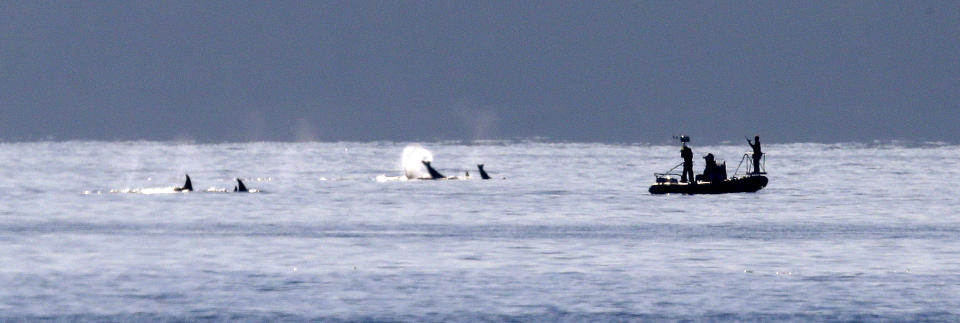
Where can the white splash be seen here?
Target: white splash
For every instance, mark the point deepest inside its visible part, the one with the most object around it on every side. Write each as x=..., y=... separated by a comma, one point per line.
x=411, y=161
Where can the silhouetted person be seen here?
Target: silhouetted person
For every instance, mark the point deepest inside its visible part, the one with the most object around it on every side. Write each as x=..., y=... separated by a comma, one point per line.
x=711, y=171
x=756, y=153
x=709, y=164
x=687, y=154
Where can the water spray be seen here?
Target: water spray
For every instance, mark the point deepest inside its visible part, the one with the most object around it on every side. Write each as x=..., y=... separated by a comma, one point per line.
x=412, y=161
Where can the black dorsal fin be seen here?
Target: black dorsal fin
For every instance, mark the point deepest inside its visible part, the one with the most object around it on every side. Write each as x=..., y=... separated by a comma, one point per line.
x=483, y=173
x=434, y=174
x=240, y=187
x=188, y=185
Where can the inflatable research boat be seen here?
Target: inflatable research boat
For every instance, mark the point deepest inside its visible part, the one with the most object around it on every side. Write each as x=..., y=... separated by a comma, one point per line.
x=744, y=184
x=752, y=181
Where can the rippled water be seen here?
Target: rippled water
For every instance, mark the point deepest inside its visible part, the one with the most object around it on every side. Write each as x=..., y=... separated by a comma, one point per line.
x=842, y=232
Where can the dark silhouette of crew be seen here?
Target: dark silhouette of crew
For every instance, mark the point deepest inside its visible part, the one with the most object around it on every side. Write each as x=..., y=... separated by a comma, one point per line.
x=757, y=154
x=713, y=172
x=710, y=164
x=687, y=154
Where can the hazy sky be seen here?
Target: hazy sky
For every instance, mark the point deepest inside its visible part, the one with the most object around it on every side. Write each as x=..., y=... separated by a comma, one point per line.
x=619, y=71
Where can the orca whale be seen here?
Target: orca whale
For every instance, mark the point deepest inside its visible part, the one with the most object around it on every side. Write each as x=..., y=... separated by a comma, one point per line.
x=434, y=174
x=483, y=173
x=187, y=187
x=240, y=187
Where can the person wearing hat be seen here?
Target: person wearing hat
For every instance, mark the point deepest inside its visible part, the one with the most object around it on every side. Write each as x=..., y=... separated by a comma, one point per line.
x=710, y=168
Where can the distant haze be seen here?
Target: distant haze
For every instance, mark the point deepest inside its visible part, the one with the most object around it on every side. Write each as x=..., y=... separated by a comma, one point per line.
x=607, y=71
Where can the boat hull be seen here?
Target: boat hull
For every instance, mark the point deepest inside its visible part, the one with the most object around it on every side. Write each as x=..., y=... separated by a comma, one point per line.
x=746, y=184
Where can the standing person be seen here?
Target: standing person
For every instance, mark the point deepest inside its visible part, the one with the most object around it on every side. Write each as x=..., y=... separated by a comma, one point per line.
x=687, y=154
x=756, y=153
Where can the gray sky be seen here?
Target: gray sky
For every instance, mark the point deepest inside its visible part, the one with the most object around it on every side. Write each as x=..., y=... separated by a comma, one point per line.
x=578, y=71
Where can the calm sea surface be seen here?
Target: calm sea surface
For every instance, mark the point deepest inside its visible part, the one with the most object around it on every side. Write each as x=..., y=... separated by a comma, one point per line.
x=91, y=231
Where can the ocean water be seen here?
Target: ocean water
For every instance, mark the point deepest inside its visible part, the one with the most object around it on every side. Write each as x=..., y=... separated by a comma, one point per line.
x=566, y=232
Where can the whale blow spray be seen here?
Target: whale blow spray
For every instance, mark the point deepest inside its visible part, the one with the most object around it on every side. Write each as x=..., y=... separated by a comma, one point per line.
x=412, y=161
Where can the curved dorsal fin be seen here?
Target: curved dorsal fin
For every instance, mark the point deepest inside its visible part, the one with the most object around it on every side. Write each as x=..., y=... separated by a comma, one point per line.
x=188, y=185
x=434, y=174
x=483, y=173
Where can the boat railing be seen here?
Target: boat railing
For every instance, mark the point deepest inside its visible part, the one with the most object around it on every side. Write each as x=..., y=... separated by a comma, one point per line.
x=668, y=176
x=750, y=169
